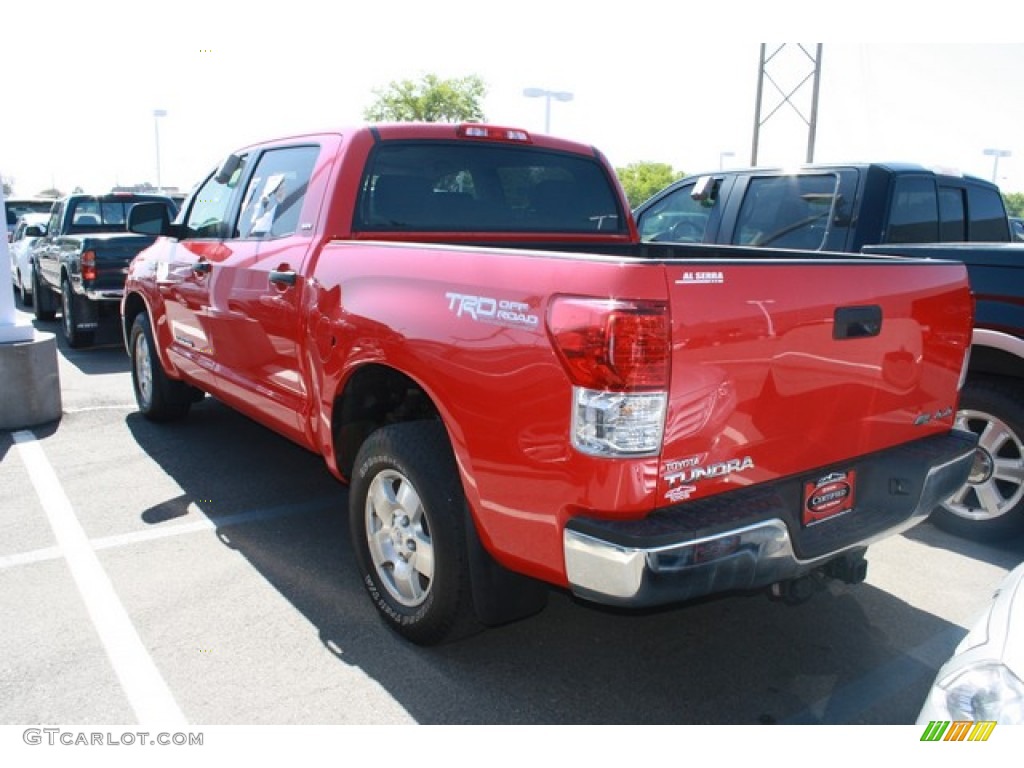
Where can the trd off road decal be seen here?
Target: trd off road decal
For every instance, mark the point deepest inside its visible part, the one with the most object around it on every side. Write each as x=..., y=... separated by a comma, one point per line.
x=828, y=496
x=485, y=309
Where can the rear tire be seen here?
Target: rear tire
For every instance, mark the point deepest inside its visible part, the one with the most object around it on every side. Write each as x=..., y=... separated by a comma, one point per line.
x=24, y=295
x=70, y=315
x=991, y=505
x=406, y=508
x=159, y=397
x=42, y=300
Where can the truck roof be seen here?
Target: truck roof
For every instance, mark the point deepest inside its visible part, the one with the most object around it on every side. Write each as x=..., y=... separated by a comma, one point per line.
x=890, y=167
x=439, y=131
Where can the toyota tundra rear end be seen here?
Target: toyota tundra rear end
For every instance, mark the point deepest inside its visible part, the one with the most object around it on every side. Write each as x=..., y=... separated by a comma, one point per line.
x=808, y=411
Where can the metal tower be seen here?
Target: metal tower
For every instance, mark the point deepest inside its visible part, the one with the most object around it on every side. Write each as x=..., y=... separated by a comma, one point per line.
x=786, y=95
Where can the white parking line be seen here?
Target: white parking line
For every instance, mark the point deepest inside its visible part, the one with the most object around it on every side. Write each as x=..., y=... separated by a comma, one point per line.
x=176, y=529
x=147, y=692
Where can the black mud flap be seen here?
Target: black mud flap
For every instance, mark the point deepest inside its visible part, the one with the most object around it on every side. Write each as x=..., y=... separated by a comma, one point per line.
x=500, y=596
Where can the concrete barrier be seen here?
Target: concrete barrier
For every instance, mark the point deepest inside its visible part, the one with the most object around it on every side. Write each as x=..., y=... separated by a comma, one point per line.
x=29, y=382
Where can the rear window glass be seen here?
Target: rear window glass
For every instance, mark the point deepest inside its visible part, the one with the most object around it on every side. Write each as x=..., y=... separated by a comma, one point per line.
x=444, y=187
x=17, y=208
x=787, y=211
x=106, y=215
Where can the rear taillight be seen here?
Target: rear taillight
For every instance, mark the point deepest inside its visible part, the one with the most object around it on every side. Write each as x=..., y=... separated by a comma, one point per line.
x=89, y=265
x=617, y=355
x=614, y=345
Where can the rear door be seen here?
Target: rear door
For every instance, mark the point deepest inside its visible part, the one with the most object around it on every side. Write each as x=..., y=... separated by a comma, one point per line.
x=806, y=210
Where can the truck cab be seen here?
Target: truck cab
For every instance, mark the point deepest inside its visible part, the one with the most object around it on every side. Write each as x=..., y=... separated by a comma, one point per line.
x=821, y=207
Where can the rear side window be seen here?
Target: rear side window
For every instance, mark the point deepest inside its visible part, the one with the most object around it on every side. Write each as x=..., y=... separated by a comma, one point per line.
x=986, y=216
x=445, y=187
x=914, y=215
x=787, y=211
x=952, y=215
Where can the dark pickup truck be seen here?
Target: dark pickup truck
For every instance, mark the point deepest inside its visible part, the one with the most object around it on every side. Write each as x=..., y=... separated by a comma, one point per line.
x=79, y=265
x=891, y=209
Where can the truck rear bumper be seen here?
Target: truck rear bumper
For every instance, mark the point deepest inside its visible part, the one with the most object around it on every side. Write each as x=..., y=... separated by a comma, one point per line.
x=104, y=295
x=754, y=537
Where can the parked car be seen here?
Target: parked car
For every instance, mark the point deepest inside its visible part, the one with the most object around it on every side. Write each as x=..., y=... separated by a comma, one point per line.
x=19, y=206
x=29, y=227
x=984, y=679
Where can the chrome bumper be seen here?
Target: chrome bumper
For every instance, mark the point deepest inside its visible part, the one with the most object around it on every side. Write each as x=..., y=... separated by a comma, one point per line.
x=687, y=554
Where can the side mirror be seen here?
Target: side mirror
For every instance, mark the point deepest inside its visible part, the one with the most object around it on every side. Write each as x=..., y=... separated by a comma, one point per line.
x=705, y=190
x=149, y=219
x=228, y=169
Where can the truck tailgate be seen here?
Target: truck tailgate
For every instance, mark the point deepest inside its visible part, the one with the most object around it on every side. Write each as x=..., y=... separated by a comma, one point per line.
x=784, y=366
x=114, y=252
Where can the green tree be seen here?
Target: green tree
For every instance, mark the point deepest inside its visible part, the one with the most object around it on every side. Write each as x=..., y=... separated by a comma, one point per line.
x=1014, y=203
x=432, y=100
x=641, y=180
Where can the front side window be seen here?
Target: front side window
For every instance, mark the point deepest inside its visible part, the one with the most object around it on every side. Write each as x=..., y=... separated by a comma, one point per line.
x=446, y=187
x=273, y=199
x=208, y=216
x=677, y=217
x=787, y=211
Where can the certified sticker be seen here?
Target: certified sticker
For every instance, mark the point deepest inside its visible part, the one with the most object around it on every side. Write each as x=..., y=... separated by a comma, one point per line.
x=828, y=497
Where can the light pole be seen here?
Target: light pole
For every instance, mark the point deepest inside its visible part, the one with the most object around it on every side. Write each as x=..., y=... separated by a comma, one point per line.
x=157, y=114
x=536, y=93
x=995, y=154
x=721, y=158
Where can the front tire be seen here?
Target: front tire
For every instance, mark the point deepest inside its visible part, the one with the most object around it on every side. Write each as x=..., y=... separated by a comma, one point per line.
x=991, y=505
x=159, y=397
x=406, y=508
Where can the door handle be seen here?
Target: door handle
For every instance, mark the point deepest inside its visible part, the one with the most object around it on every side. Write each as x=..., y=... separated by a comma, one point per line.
x=857, y=322
x=282, y=277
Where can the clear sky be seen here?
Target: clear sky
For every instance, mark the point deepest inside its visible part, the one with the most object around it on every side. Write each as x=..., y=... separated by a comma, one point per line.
x=669, y=82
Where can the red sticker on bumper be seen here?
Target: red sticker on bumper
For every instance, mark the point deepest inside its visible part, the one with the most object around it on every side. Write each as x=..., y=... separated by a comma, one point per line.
x=828, y=496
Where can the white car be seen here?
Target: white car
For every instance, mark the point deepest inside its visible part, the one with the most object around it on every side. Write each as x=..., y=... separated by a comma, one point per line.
x=984, y=679
x=29, y=227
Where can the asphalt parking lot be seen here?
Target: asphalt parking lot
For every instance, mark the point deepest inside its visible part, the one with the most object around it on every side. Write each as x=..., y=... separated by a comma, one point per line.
x=199, y=573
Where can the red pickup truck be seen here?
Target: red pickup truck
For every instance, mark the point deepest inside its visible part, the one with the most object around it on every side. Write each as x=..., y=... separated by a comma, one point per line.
x=462, y=320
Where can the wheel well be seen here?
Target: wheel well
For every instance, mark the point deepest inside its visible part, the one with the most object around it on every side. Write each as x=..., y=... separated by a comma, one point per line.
x=133, y=306
x=375, y=396
x=989, y=360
